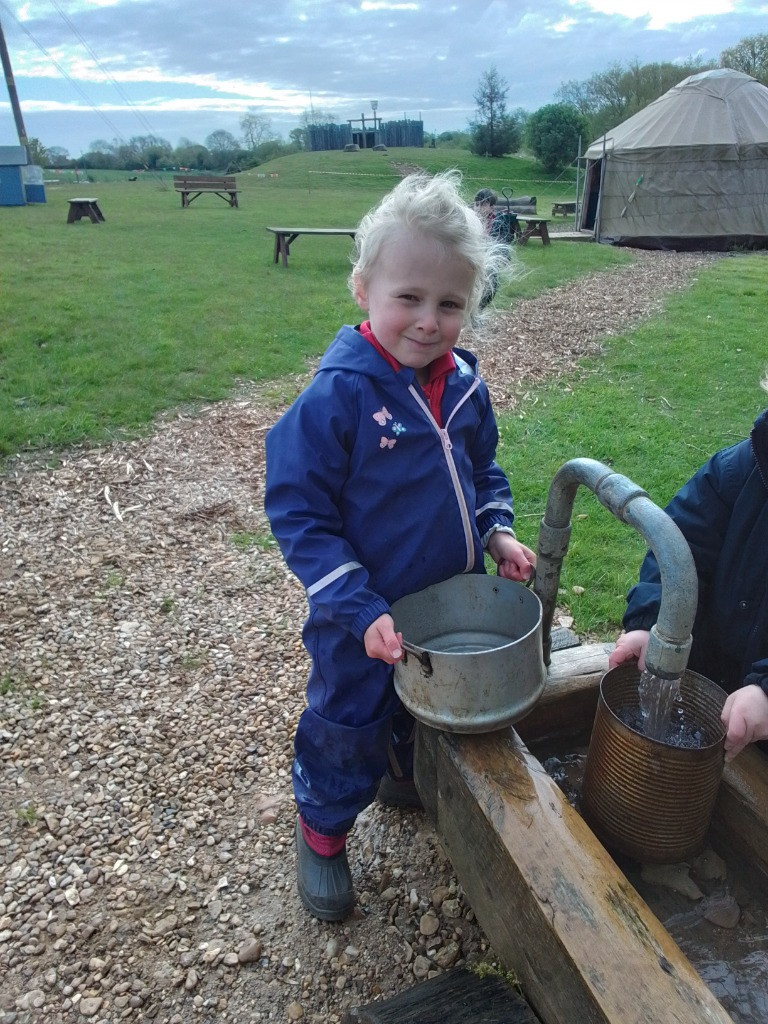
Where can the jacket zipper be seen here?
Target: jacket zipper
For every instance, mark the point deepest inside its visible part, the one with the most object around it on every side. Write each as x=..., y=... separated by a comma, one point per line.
x=445, y=440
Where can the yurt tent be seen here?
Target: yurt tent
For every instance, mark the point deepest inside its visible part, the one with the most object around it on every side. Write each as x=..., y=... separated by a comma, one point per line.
x=690, y=171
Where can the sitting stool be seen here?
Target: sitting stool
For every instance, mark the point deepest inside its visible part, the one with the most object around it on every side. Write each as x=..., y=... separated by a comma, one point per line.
x=84, y=208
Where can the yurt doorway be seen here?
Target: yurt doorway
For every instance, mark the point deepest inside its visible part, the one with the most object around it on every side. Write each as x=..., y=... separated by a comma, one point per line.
x=591, y=199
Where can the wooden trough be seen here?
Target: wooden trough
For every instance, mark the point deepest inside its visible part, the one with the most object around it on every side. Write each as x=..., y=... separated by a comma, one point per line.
x=555, y=906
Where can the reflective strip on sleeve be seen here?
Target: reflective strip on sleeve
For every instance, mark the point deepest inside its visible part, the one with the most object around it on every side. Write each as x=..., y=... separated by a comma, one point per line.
x=331, y=576
x=502, y=506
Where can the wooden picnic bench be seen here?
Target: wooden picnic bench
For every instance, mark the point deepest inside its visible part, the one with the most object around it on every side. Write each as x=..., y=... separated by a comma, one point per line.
x=533, y=226
x=192, y=186
x=564, y=209
x=284, y=237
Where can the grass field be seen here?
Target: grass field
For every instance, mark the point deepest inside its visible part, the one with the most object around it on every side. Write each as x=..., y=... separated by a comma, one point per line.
x=106, y=326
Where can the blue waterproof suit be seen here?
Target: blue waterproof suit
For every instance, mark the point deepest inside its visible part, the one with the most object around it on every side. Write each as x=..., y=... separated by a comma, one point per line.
x=723, y=514
x=370, y=499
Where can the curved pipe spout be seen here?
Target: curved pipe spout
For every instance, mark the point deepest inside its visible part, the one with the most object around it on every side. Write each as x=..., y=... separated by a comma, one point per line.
x=670, y=641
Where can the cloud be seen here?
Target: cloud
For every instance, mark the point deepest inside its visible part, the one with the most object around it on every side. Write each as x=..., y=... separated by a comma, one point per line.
x=182, y=63
x=660, y=14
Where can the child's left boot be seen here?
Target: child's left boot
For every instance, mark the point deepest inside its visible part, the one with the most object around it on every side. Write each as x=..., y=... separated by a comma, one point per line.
x=324, y=879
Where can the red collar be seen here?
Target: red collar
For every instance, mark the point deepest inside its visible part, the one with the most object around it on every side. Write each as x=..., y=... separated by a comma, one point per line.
x=439, y=367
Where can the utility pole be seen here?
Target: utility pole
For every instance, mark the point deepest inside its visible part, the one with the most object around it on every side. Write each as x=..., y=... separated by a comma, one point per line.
x=12, y=94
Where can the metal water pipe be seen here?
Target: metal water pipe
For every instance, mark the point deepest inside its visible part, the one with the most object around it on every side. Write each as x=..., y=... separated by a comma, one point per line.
x=670, y=642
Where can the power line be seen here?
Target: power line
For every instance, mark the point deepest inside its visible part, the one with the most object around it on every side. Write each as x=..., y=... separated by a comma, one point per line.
x=75, y=85
x=68, y=21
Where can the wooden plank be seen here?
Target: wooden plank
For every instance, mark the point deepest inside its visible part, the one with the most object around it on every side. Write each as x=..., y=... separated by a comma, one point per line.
x=457, y=997
x=740, y=818
x=187, y=183
x=554, y=905
x=314, y=231
x=569, y=701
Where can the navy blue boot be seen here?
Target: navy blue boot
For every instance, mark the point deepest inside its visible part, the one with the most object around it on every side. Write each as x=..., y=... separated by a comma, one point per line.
x=325, y=883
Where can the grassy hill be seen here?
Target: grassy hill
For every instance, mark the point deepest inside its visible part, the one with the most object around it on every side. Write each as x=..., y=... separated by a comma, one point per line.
x=366, y=170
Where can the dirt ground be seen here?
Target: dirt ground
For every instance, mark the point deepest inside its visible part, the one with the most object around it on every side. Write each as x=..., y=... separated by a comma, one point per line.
x=151, y=675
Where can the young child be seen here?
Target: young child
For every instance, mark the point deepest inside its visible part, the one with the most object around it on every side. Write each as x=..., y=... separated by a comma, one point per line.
x=484, y=205
x=723, y=514
x=382, y=480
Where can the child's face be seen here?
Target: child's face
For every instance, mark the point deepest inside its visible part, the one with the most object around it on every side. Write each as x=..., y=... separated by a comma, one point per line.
x=416, y=298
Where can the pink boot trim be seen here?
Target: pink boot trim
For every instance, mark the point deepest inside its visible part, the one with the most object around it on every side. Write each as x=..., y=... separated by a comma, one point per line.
x=324, y=846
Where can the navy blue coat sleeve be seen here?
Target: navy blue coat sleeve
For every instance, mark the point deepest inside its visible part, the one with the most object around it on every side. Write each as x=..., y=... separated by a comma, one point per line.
x=307, y=468
x=702, y=510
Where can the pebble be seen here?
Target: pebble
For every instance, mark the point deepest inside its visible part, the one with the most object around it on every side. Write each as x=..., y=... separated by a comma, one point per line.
x=722, y=910
x=250, y=951
x=673, y=876
x=89, y=1007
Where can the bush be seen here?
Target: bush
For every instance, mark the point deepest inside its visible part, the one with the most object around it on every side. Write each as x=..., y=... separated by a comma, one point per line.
x=552, y=134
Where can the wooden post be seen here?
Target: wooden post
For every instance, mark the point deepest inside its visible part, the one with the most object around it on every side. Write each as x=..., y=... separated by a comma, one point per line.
x=458, y=997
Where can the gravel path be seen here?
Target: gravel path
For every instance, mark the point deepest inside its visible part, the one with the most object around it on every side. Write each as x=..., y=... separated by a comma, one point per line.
x=151, y=675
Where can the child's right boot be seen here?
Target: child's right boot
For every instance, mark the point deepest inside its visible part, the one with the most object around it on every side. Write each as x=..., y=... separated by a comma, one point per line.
x=324, y=879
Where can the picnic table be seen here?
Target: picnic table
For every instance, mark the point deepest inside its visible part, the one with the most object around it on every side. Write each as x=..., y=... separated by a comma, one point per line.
x=533, y=227
x=284, y=237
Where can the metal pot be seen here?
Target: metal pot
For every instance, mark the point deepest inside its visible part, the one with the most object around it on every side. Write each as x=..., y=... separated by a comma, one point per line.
x=473, y=653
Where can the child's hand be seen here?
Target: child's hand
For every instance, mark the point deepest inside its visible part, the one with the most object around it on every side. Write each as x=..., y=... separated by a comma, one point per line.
x=628, y=646
x=745, y=716
x=381, y=641
x=514, y=561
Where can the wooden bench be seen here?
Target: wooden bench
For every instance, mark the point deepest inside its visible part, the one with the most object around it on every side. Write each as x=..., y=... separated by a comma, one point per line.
x=563, y=209
x=284, y=237
x=191, y=187
x=533, y=226
x=84, y=208
x=517, y=206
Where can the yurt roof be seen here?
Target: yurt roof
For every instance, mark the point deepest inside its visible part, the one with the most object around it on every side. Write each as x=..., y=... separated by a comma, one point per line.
x=721, y=107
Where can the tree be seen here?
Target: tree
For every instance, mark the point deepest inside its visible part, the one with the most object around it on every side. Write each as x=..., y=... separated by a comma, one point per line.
x=749, y=55
x=298, y=138
x=150, y=151
x=609, y=97
x=223, y=147
x=57, y=156
x=494, y=132
x=191, y=155
x=552, y=134
x=256, y=128
x=37, y=153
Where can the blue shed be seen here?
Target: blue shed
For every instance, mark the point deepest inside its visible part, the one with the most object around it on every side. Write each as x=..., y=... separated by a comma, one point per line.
x=12, y=159
x=34, y=185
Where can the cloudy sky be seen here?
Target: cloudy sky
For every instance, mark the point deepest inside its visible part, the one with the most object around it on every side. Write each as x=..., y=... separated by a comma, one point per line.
x=112, y=69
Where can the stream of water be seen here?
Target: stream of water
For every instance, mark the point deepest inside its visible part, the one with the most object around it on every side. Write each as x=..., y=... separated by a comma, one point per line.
x=660, y=714
x=659, y=699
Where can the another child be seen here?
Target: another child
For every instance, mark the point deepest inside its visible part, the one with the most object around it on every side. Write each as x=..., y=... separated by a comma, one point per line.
x=382, y=480
x=723, y=513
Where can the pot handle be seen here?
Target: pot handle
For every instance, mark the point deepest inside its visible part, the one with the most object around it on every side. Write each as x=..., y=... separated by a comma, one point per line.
x=417, y=652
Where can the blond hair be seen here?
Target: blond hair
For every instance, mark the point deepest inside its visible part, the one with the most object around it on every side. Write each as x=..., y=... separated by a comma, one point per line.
x=433, y=205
